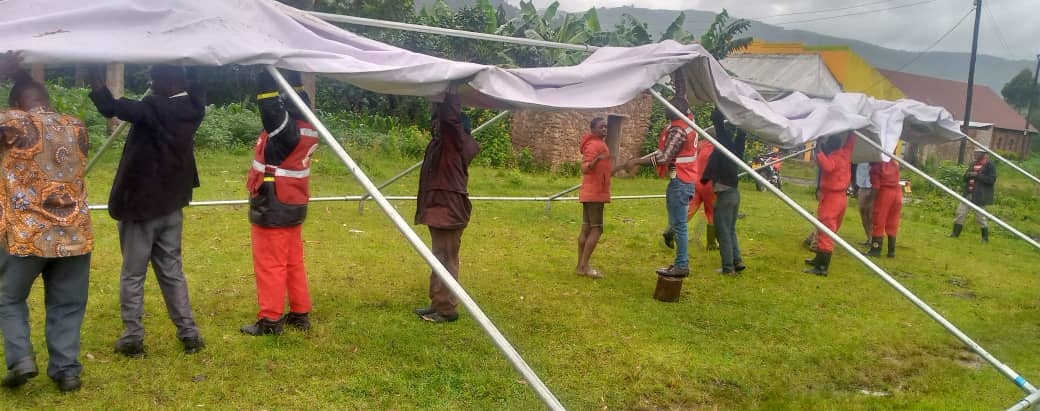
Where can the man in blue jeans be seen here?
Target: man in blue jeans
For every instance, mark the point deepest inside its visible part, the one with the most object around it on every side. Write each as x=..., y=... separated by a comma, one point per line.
x=723, y=173
x=674, y=158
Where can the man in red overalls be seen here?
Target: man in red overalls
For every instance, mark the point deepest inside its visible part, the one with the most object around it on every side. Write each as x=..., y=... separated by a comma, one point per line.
x=835, y=161
x=278, y=184
x=888, y=203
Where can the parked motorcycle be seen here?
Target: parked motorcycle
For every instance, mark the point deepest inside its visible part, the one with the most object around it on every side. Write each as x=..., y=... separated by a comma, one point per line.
x=770, y=173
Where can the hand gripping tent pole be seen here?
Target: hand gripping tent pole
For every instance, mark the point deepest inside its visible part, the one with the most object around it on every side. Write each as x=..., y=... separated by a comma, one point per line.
x=1018, y=379
x=361, y=203
x=1006, y=161
x=500, y=341
x=960, y=198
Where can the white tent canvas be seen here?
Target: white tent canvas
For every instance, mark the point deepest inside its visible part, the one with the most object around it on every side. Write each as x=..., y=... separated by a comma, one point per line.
x=200, y=32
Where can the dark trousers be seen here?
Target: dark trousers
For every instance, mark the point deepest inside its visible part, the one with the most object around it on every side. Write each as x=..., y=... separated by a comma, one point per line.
x=157, y=241
x=446, y=244
x=727, y=206
x=65, y=282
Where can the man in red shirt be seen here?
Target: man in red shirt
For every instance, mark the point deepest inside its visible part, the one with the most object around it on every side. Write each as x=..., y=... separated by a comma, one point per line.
x=834, y=159
x=594, y=193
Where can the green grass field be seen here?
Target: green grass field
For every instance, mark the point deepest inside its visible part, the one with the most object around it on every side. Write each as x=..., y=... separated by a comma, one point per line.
x=771, y=339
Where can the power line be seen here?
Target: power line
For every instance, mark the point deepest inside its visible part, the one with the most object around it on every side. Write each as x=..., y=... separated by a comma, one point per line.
x=821, y=11
x=936, y=43
x=855, y=14
x=1000, y=35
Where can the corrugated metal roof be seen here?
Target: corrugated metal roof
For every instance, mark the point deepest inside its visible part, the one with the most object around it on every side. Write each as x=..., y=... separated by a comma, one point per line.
x=986, y=105
x=802, y=72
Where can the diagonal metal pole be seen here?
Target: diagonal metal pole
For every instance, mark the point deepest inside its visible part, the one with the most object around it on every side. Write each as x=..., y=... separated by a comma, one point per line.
x=361, y=203
x=111, y=139
x=482, y=319
x=1031, y=399
x=1001, y=158
x=855, y=253
x=960, y=198
x=779, y=160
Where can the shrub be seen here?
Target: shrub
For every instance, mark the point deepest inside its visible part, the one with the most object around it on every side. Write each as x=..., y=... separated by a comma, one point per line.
x=229, y=127
x=496, y=148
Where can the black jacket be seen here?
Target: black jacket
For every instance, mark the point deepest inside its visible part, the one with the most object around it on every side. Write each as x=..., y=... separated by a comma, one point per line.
x=720, y=169
x=157, y=172
x=983, y=193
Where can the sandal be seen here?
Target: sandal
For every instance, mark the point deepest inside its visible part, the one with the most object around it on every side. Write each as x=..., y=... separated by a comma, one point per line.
x=593, y=274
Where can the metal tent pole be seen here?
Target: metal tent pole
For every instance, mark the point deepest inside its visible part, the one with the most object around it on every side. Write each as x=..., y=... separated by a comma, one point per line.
x=779, y=160
x=1001, y=158
x=361, y=21
x=960, y=198
x=1030, y=399
x=500, y=341
x=1018, y=379
x=361, y=203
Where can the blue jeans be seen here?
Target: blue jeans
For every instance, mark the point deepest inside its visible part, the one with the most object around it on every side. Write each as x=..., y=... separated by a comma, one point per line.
x=65, y=281
x=677, y=200
x=727, y=205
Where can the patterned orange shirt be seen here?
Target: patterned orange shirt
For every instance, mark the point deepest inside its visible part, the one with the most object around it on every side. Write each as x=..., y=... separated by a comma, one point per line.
x=43, y=198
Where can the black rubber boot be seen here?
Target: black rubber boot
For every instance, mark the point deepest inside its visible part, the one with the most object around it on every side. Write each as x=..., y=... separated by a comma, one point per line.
x=300, y=321
x=956, y=230
x=891, y=247
x=875, y=247
x=985, y=234
x=264, y=326
x=822, y=264
x=813, y=261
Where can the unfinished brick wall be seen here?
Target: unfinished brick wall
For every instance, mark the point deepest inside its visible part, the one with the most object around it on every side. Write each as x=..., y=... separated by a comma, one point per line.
x=554, y=136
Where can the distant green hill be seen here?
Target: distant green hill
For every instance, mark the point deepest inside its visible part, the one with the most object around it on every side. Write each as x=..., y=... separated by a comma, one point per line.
x=990, y=71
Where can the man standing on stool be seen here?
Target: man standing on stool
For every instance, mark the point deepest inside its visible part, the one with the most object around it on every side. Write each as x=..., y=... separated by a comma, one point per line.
x=153, y=184
x=443, y=202
x=674, y=157
x=44, y=229
x=278, y=184
x=978, y=188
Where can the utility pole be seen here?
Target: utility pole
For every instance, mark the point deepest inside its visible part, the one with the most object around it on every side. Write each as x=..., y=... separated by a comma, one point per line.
x=971, y=78
x=1032, y=96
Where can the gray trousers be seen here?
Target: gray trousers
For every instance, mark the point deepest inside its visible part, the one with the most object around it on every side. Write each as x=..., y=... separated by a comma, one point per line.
x=865, y=200
x=65, y=282
x=727, y=206
x=962, y=214
x=157, y=241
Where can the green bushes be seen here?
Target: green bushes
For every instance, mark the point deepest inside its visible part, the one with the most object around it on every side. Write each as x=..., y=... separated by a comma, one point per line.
x=230, y=127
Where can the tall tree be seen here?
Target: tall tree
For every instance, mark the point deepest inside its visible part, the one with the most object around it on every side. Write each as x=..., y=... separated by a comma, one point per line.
x=1020, y=89
x=571, y=29
x=721, y=38
x=675, y=31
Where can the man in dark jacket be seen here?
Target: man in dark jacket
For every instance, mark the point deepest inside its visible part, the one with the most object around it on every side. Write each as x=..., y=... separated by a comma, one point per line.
x=278, y=184
x=978, y=187
x=723, y=173
x=154, y=182
x=443, y=202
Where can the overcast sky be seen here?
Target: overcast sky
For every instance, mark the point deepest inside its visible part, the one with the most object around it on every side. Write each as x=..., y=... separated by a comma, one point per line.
x=914, y=27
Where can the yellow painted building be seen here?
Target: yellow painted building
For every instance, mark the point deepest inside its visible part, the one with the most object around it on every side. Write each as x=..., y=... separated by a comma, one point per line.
x=854, y=73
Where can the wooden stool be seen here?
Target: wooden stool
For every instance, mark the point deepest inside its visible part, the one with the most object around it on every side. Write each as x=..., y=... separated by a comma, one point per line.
x=668, y=289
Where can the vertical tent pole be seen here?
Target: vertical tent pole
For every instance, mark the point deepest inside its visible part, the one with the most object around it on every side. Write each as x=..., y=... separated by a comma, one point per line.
x=1001, y=158
x=500, y=341
x=361, y=203
x=960, y=198
x=1018, y=379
